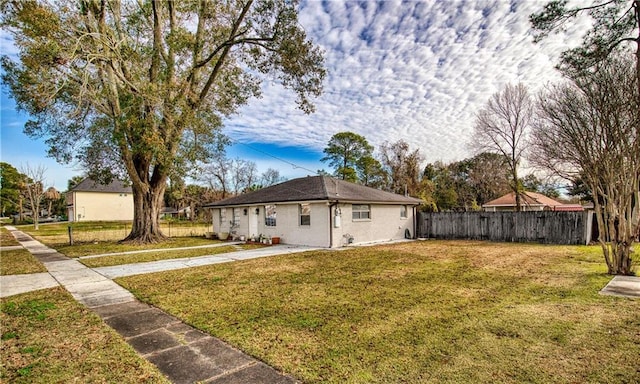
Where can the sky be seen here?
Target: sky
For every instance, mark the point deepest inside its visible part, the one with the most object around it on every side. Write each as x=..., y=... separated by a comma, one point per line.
x=416, y=71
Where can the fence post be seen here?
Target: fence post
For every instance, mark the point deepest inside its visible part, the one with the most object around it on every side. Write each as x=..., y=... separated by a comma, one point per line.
x=70, y=230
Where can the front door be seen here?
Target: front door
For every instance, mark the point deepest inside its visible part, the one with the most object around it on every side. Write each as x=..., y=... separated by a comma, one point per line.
x=254, y=213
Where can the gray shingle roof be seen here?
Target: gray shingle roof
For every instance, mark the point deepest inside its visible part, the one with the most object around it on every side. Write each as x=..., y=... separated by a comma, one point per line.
x=316, y=188
x=88, y=185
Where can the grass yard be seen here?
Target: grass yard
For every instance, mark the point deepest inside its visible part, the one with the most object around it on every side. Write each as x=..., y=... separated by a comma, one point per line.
x=154, y=256
x=56, y=235
x=16, y=261
x=6, y=238
x=433, y=311
x=47, y=337
x=19, y=261
x=102, y=247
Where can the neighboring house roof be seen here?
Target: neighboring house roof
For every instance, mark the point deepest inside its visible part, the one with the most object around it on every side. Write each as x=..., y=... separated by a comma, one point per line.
x=527, y=198
x=532, y=199
x=88, y=185
x=316, y=188
x=569, y=207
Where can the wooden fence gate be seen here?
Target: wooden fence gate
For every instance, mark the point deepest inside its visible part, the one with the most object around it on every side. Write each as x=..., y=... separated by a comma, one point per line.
x=546, y=227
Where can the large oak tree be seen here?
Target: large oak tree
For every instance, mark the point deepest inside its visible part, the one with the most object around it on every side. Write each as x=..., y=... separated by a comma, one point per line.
x=142, y=87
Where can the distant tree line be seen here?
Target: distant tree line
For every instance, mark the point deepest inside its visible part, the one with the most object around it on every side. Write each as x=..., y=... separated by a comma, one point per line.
x=24, y=196
x=457, y=186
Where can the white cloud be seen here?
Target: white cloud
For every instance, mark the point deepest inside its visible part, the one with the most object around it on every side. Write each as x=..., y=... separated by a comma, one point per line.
x=416, y=71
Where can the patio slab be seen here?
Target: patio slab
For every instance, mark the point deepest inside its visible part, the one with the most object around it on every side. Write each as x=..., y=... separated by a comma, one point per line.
x=623, y=286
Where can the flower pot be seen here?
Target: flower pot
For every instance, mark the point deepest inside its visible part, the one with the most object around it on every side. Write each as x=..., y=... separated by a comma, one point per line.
x=223, y=235
x=275, y=240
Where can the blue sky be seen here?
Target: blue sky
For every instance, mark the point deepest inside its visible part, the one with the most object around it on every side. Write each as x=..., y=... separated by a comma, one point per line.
x=417, y=71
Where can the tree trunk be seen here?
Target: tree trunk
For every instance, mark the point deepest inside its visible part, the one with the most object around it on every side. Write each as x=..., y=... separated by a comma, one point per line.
x=516, y=186
x=147, y=203
x=614, y=241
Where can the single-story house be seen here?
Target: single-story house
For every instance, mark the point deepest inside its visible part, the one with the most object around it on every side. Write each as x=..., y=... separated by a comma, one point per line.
x=318, y=211
x=92, y=201
x=530, y=201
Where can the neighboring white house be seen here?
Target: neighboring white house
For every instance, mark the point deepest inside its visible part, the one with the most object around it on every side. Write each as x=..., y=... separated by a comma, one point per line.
x=92, y=201
x=317, y=211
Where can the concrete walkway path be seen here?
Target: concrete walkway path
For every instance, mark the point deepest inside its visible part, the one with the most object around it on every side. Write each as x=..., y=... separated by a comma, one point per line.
x=188, y=262
x=183, y=353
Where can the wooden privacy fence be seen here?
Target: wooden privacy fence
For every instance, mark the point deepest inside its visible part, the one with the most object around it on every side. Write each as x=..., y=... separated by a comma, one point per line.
x=546, y=227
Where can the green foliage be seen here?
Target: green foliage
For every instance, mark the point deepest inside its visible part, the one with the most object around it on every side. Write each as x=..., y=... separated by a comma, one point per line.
x=614, y=22
x=467, y=184
x=532, y=183
x=580, y=189
x=11, y=187
x=349, y=154
x=72, y=182
x=370, y=172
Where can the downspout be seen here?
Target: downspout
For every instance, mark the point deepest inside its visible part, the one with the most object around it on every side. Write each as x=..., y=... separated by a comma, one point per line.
x=415, y=223
x=332, y=205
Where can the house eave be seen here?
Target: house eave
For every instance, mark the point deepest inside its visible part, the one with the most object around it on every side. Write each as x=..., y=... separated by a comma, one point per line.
x=327, y=201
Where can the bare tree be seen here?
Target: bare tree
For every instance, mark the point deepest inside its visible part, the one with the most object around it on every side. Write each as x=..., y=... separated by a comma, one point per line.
x=501, y=127
x=589, y=128
x=230, y=176
x=271, y=177
x=34, y=188
x=402, y=165
x=244, y=173
x=216, y=174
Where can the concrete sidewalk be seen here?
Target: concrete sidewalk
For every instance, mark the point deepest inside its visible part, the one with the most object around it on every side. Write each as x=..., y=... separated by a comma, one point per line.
x=189, y=262
x=183, y=353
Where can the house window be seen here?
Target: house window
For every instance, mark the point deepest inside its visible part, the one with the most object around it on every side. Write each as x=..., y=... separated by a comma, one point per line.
x=403, y=211
x=305, y=214
x=236, y=218
x=361, y=212
x=270, y=215
x=223, y=216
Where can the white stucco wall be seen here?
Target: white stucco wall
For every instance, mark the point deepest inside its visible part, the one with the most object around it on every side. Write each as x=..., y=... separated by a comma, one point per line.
x=287, y=225
x=385, y=224
x=100, y=206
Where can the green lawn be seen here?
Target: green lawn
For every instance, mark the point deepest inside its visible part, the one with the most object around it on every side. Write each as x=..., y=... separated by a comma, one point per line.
x=153, y=256
x=19, y=261
x=47, y=337
x=56, y=235
x=432, y=311
x=102, y=247
x=6, y=238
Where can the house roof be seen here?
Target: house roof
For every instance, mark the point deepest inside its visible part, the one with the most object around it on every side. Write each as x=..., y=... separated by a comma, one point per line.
x=316, y=188
x=528, y=199
x=88, y=185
